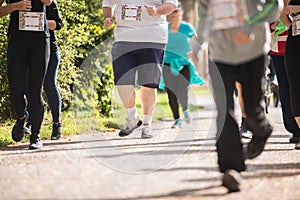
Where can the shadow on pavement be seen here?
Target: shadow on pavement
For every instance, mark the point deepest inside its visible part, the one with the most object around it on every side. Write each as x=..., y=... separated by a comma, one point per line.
x=181, y=193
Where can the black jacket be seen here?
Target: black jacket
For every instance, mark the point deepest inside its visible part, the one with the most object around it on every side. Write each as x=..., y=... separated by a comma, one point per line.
x=52, y=13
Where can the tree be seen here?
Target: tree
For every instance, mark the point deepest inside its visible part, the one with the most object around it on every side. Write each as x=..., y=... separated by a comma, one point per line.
x=82, y=32
x=190, y=14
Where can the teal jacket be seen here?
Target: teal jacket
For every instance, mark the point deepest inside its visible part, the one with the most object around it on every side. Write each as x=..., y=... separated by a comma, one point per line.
x=176, y=53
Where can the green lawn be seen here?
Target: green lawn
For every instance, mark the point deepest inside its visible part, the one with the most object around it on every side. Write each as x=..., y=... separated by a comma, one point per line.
x=86, y=121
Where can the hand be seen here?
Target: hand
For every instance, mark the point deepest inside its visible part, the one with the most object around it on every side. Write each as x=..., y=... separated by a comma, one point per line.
x=192, y=56
x=241, y=37
x=189, y=53
x=290, y=9
x=274, y=24
x=152, y=11
x=108, y=22
x=24, y=5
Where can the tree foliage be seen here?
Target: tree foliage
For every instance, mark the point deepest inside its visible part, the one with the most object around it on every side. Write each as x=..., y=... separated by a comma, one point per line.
x=5, y=106
x=82, y=32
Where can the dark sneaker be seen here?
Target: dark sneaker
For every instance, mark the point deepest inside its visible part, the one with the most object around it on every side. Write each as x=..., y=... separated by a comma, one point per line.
x=35, y=142
x=27, y=128
x=294, y=139
x=258, y=142
x=18, y=131
x=232, y=180
x=297, y=146
x=131, y=124
x=56, y=131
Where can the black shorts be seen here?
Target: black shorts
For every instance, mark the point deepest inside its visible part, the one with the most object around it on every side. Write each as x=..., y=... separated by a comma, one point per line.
x=136, y=63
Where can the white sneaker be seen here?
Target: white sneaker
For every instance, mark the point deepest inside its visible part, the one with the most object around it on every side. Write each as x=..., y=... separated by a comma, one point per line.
x=131, y=124
x=247, y=135
x=146, y=131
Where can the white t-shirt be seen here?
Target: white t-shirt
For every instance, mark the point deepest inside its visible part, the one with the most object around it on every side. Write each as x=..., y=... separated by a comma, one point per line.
x=134, y=23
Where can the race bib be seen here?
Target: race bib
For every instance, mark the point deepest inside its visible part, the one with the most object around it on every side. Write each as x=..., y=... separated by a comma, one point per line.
x=131, y=13
x=227, y=14
x=296, y=25
x=31, y=21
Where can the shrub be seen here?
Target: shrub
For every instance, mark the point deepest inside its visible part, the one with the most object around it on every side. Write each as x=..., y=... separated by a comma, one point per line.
x=82, y=32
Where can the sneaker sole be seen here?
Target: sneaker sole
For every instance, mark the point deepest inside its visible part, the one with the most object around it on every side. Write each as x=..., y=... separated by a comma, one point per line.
x=145, y=136
x=55, y=138
x=34, y=148
x=247, y=135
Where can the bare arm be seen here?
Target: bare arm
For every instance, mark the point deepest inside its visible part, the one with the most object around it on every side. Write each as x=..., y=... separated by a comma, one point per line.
x=107, y=13
x=51, y=24
x=24, y=5
x=46, y=2
x=164, y=9
x=190, y=53
x=284, y=17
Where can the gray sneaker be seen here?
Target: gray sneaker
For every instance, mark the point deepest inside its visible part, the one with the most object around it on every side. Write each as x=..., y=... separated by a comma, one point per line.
x=146, y=132
x=187, y=116
x=131, y=124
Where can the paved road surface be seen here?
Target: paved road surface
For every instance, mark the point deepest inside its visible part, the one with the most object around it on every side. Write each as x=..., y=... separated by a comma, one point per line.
x=175, y=164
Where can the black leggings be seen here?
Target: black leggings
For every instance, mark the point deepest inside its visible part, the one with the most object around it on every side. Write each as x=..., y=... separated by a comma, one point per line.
x=177, y=89
x=28, y=55
x=292, y=52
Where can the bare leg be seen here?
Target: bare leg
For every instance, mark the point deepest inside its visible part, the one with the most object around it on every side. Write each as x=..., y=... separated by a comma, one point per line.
x=297, y=146
x=148, y=100
x=240, y=98
x=127, y=95
x=298, y=120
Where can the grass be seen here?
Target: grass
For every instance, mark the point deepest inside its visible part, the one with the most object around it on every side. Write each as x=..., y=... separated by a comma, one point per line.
x=87, y=121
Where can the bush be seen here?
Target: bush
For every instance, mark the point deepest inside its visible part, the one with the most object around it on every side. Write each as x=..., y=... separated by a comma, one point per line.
x=5, y=106
x=82, y=32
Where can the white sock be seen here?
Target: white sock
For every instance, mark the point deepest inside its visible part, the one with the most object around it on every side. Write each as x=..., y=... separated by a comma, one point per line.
x=147, y=119
x=132, y=113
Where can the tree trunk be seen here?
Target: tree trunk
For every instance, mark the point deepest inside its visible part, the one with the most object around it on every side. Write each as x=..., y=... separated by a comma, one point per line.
x=190, y=14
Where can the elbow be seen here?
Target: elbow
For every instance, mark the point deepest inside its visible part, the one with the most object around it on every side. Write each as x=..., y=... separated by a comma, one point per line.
x=59, y=24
